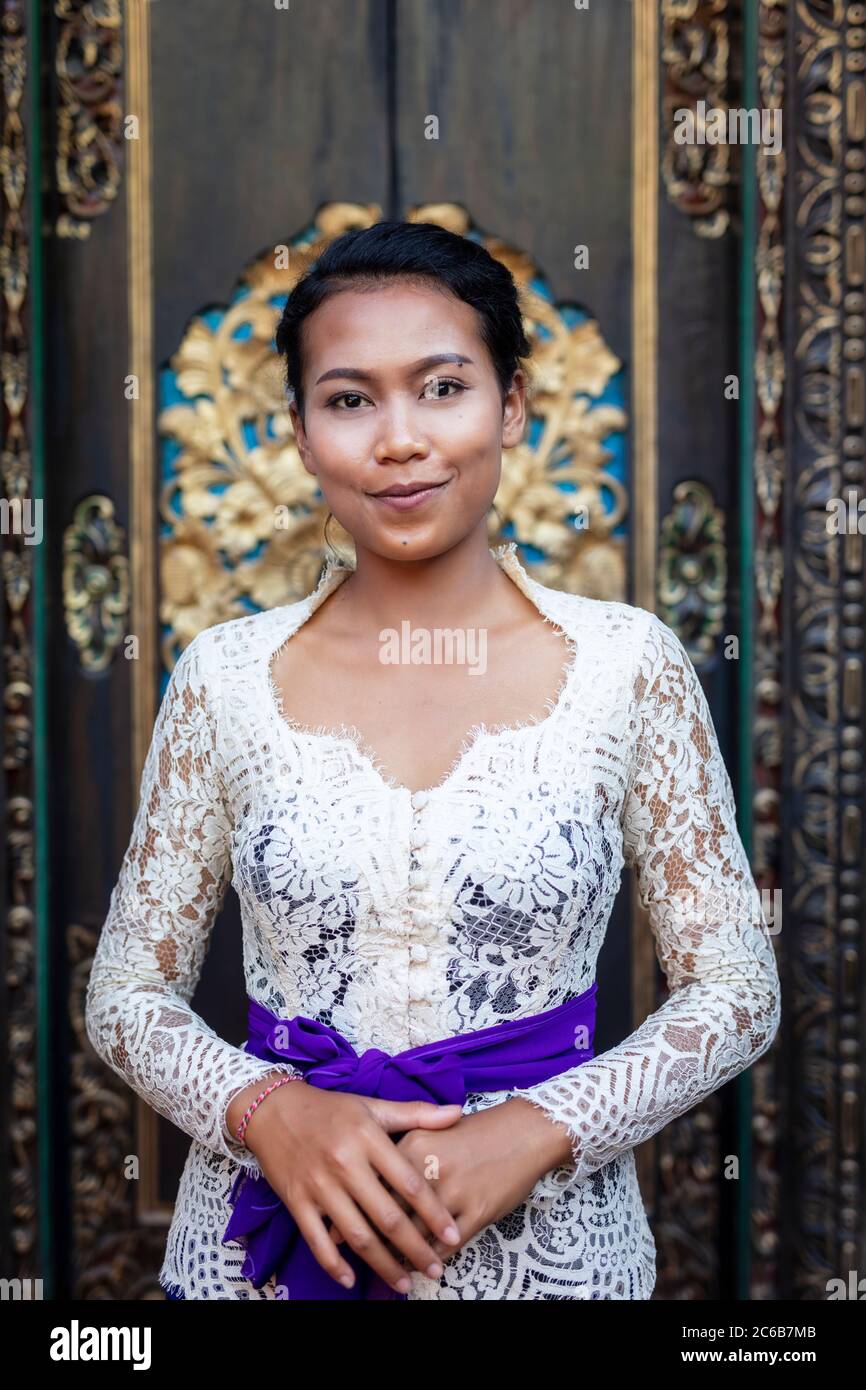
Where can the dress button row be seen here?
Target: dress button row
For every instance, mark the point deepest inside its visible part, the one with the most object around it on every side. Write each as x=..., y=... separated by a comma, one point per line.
x=418, y=952
x=424, y=916
x=418, y=900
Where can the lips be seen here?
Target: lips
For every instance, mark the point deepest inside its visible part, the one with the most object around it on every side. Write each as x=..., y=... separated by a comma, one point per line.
x=408, y=489
x=403, y=501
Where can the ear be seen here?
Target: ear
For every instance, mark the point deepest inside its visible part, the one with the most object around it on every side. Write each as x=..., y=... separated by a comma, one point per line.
x=514, y=411
x=301, y=439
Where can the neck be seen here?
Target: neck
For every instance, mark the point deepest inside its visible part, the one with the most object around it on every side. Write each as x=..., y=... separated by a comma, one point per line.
x=442, y=591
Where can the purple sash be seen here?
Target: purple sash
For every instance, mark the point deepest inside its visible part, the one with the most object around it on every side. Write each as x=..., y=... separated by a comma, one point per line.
x=514, y=1053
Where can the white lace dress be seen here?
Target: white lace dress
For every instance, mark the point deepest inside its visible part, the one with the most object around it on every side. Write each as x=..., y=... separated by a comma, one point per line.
x=401, y=918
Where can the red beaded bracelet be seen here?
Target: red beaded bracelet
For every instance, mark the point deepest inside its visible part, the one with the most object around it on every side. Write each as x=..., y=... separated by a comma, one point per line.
x=242, y=1127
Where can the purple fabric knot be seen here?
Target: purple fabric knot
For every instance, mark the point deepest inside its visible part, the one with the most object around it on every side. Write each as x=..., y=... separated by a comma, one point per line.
x=331, y=1062
x=515, y=1053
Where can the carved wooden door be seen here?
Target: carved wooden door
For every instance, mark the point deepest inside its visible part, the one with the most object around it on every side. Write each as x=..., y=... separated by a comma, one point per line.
x=179, y=150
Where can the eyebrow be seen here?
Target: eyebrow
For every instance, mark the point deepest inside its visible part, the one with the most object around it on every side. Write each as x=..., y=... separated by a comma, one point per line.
x=437, y=360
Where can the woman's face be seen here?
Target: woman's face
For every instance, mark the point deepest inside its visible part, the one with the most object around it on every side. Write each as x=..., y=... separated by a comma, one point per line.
x=380, y=413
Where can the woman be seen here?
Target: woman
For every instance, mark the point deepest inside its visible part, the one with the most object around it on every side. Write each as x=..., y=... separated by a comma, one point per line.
x=426, y=863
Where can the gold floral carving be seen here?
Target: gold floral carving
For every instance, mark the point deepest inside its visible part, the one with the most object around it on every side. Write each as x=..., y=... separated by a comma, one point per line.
x=95, y=581
x=88, y=63
x=693, y=569
x=696, y=53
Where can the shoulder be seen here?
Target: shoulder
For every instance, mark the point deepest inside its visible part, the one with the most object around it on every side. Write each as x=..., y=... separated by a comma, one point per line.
x=645, y=635
x=621, y=627
x=238, y=642
x=631, y=645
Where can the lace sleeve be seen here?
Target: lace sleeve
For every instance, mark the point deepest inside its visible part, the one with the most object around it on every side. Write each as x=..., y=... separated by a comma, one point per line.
x=711, y=936
x=153, y=943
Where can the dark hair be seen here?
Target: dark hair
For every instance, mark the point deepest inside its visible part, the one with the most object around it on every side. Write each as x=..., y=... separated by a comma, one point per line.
x=365, y=257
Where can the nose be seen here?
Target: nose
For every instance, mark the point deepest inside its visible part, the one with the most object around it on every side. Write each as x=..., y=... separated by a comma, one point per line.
x=400, y=437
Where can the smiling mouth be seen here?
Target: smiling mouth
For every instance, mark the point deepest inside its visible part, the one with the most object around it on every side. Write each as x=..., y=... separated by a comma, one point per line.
x=403, y=501
x=408, y=489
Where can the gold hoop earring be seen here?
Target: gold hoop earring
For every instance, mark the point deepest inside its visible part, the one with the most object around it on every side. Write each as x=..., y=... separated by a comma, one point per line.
x=336, y=554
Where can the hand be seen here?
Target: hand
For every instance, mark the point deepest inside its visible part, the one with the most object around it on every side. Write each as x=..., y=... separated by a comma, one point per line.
x=328, y=1156
x=486, y=1164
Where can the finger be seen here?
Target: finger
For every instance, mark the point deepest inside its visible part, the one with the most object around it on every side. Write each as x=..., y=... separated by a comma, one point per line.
x=392, y=1222
x=318, y=1238
x=396, y=1116
x=417, y=1221
x=362, y=1234
x=437, y=1246
x=418, y=1191
x=404, y=1206
x=335, y=1234
x=338, y=1237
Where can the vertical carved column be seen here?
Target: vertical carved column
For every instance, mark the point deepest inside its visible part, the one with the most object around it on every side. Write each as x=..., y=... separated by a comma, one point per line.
x=851, y=982
x=768, y=673
x=19, y=1109
x=824, y=648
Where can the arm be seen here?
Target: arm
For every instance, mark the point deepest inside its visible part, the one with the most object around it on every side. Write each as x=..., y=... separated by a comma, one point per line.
x=153, y=943
x=711, y=936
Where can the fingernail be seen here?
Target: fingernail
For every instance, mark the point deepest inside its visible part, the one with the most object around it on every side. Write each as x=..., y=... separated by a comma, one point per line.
x=404, y=1284
x=451, y=1233
x=434, y=1271
x=347, y=1280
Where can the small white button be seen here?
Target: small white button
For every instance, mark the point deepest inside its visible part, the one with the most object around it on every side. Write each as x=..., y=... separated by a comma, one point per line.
x=418, y=878
x=420, y=799
x=418, y=952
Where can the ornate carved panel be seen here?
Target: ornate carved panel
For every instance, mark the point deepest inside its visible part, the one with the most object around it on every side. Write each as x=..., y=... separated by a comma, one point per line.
x=20, y=1069
x=95, y=582
x=823, y=643
x=768, y=677
x=88, y=63
x=693, y=570
x=696, y=52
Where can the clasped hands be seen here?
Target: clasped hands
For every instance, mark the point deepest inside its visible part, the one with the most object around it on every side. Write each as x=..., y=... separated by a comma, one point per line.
x=404, y=1204
x=483, y=1165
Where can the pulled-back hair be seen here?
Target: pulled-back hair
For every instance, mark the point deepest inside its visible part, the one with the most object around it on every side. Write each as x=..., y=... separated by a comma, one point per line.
x=367, y=257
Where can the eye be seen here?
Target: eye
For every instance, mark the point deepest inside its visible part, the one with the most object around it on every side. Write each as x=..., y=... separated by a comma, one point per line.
x=431, y=391
x=432, y=384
